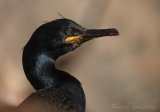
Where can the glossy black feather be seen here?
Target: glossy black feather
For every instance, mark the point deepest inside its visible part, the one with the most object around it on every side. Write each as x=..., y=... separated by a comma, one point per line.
x=57, y=91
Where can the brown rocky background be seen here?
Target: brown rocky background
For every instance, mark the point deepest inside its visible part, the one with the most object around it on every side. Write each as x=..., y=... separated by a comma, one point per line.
x=119, y=74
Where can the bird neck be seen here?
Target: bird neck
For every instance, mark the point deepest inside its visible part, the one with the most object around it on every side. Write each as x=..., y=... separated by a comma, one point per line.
x=40, y=70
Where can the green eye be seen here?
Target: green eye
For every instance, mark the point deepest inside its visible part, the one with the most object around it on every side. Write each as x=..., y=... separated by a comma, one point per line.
x=68, y=32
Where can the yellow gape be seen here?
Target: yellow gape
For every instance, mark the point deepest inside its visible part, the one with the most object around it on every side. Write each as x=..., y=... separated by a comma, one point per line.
x=71, y=39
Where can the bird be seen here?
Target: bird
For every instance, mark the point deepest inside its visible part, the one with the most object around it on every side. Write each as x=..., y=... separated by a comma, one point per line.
x=55, y=90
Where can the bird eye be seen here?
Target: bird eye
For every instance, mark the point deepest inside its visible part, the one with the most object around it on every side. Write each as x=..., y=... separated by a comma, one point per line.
x=68, y=32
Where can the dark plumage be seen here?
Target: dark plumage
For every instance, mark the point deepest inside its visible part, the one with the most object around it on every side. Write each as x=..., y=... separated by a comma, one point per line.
x=57, y=91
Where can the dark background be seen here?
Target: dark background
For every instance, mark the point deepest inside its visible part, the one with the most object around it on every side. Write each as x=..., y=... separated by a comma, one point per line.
x=119, y=74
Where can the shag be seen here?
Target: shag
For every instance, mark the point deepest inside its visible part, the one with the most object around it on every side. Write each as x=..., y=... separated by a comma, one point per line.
x=56, y=90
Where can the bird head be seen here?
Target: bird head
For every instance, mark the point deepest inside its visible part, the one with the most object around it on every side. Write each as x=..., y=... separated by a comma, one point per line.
x=63, y=35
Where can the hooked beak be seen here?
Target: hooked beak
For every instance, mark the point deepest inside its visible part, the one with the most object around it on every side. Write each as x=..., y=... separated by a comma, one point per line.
x=95, y=33
x=91, y=34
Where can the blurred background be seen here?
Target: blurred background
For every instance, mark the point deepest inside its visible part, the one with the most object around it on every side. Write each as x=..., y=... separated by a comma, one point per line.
x=119, y=74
